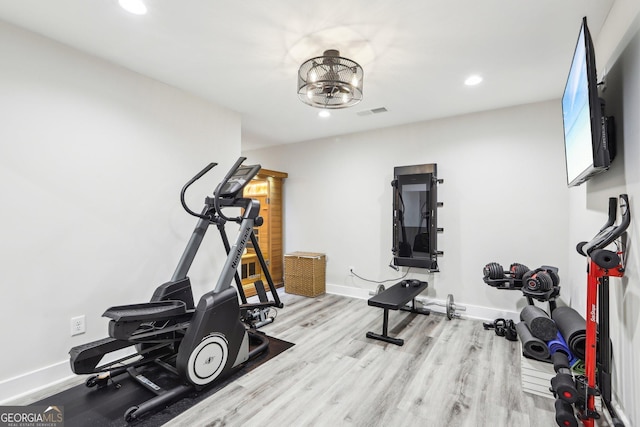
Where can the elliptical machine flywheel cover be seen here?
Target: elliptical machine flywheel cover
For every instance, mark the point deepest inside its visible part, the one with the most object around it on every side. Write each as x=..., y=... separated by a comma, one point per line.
x=208, y=359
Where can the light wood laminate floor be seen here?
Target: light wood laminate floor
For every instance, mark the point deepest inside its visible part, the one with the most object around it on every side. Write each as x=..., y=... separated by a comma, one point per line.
x=448, y=373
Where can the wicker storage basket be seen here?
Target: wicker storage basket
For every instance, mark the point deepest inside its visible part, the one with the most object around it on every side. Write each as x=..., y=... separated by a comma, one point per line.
x=304, y=273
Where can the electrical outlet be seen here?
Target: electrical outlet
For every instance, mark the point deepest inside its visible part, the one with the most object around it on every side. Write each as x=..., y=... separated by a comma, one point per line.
x=77, y=325
x=351, y=269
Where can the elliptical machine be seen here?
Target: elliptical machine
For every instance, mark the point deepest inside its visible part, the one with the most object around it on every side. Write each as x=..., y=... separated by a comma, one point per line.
x=194, y=344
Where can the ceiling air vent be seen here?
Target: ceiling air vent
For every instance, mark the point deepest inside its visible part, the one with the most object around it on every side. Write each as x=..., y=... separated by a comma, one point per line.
x=372, y=111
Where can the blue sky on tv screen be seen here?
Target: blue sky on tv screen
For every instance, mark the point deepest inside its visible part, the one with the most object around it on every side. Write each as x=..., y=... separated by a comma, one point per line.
x=575, y=114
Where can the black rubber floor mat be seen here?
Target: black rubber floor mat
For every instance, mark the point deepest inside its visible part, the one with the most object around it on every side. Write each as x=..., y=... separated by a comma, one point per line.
x=106, y=407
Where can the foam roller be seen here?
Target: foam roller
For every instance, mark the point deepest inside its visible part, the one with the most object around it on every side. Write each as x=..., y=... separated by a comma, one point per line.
x=531, y=346
x=539, y=323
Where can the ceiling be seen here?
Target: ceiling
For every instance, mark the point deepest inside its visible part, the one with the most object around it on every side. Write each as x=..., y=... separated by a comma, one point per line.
x=244, y=55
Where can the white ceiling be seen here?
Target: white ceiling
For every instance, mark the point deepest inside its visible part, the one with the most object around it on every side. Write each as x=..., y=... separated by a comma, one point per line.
x=244, y=54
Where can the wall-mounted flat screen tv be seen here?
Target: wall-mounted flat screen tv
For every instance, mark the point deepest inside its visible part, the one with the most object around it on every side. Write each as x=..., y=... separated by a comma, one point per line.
x=586, y=140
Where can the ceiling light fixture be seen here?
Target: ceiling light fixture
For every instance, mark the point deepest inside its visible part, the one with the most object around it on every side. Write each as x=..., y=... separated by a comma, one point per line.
x=324, y=114
x=136, y=7
x=330, y=81
x=473, y=80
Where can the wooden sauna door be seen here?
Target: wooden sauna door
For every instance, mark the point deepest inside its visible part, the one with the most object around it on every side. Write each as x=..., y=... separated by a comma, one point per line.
x=267, y=188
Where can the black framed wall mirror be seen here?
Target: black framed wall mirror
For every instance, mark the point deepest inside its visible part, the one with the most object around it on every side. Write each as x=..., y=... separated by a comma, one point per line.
x=415, y=216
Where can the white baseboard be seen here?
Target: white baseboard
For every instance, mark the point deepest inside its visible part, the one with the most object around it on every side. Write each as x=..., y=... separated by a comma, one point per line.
x=20, y=386
x=31, y=382
x=347, y=291
x=472, y=311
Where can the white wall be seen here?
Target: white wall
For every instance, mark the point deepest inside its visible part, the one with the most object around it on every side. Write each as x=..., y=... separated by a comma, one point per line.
x=92, y=160
x=588, y=212
x=505, y=200
x=504, y=195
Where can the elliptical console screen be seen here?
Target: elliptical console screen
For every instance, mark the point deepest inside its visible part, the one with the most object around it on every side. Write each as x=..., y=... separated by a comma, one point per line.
x=238, y=180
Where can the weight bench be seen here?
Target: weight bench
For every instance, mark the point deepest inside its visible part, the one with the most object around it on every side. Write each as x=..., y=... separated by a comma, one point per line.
x=396, y=298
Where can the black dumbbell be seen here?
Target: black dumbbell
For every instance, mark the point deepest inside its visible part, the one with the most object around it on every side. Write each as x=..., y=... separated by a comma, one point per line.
x=518, y=270
x=493, y=271
x=540, y=280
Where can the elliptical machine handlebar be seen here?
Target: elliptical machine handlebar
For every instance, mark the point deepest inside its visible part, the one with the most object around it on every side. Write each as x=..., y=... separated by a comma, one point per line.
x=188, y=184
x=233, y=182
x=229, y=174
x=613, y=202
x=610, y=232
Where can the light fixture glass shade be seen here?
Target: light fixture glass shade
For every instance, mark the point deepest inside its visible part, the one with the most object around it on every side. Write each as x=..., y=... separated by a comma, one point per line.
x=137, y=7
x=330, y=81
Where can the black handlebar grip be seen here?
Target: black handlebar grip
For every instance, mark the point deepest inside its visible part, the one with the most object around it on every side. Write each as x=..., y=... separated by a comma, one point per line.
x=610, y=232
x=624, y=209
x=624, y=223
x=203, y=171
x=188, y=184
x=233, y=169
x=613, y=212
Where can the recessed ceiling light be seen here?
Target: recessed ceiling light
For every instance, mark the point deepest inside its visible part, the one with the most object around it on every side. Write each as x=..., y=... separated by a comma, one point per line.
x=324, y=114
x=136, y=7
x=473, y=80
